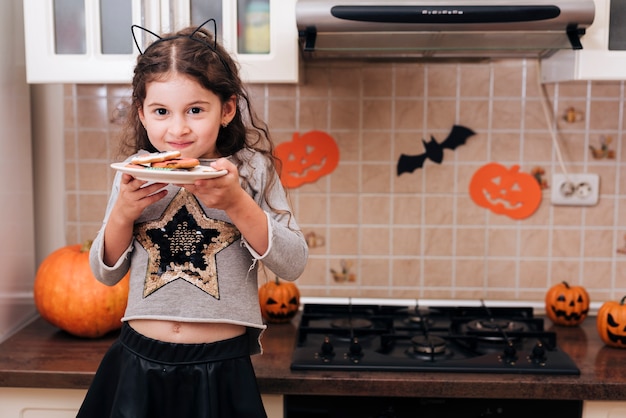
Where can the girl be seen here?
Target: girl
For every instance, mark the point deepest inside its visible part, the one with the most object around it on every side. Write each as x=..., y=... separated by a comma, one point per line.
x=193, y=316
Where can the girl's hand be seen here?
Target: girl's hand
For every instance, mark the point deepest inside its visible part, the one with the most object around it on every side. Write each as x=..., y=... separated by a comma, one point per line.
x=219, y=192
x=134, y=197
x=226, y=193
x=131, y=201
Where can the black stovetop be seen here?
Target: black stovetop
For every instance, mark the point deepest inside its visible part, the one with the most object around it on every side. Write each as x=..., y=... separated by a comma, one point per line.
x=444, y=339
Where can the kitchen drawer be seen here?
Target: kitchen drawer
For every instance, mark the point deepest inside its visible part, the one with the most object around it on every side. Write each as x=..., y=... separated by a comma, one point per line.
x=604, y=409
x=64, y=403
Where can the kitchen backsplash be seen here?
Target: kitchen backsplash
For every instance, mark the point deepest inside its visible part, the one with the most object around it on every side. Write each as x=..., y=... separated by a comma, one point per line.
x=418, y=234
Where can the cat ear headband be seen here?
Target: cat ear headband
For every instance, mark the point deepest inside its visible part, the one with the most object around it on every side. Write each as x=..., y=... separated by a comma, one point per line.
x=190, y=36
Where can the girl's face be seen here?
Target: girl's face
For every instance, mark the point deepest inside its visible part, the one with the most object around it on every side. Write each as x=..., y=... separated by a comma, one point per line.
x=179, y=114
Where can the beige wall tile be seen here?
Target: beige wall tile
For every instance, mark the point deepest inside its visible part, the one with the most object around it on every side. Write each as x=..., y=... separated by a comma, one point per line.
x=375, y=210
x=344, y=209
x=377, y=80
x=470, y=242
x=374, y=241
x=407, y=209
x=343, y=240
x=534, y=274
x=534, y=243
x=406, y=272
x=409, y=80
x=345, y=178
x=406, y=241
x=443, y=81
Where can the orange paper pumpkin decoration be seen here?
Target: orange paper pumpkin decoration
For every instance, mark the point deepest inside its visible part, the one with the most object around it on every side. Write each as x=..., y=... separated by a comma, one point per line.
x=279, y=301
x=567, y=305
x=69, y=297
x=505, y=191
x=611, y=323
x=307, y=158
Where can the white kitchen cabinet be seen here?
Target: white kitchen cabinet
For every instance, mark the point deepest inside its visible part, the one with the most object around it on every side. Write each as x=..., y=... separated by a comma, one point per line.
x=604, y=409
x=80, y=41
x=603, y=56
x=64, y=403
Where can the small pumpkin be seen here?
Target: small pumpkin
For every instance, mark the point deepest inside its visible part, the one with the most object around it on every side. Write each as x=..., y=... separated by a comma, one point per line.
x=567, y=305
x=611, y=323
x=505, y=191
x=279, y=300
x=306, y=158
x=69, y=297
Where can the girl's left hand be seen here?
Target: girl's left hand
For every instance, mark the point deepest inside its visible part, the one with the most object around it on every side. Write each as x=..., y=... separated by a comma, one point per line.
x=219, y=192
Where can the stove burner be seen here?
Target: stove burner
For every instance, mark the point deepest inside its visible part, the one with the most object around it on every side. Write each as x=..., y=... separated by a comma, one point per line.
x=351, y=323
x=496, y=325
x=428, y=344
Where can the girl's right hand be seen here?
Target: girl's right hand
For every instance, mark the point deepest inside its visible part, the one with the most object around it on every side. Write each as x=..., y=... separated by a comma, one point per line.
x=134, y=197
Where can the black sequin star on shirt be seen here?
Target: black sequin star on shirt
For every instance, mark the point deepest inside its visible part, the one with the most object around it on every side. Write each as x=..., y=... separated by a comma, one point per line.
x=182, y=244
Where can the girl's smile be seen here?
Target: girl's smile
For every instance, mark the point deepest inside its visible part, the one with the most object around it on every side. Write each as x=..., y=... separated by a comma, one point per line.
x=179, y=114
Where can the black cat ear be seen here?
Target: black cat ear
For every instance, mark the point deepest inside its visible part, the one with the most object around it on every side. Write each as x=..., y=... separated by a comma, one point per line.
x=132, y=30
x=214, y=31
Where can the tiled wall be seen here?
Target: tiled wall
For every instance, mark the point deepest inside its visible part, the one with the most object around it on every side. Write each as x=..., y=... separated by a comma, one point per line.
x=419, y=234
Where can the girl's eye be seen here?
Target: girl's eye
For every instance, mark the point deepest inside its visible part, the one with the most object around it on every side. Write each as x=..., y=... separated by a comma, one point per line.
x=195, y=110
x=161, y=112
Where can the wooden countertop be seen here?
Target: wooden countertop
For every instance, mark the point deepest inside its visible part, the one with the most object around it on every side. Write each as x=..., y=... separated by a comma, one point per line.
x=41, y=356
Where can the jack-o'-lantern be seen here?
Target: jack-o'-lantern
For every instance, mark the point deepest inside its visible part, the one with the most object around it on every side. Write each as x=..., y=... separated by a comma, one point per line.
x=611, y=323
x=279, y=301
x=567, y=305
x=307, y=158
x=505, y=191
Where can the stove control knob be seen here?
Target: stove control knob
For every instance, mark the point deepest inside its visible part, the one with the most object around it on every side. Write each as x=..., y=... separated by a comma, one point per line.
x=327, y=350
x=538, y=354
x=510, y=353
x=356, y=350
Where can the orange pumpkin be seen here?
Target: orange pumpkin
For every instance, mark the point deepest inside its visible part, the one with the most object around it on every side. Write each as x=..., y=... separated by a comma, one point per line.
x=505, y=191
x=567, y=305
x=611, y=323
x=68, y=295
x=306, y=158
x=279, y=301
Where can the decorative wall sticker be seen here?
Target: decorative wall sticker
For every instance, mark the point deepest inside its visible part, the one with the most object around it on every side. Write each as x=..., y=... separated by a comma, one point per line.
x=538, y=173
x=603, y=151
x=505, y=191
x=118, y=115
x=344, y=274
x=572, y=115
x=306, y=158
x=433, y=150
x=622, y=250
x=314, y=240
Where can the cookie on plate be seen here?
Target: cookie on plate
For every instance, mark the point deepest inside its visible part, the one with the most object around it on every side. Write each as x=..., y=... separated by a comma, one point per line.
x=155, y=157
x=177, y=163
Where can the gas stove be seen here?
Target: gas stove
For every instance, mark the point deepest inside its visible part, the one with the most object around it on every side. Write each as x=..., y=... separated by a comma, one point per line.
x=476, y=339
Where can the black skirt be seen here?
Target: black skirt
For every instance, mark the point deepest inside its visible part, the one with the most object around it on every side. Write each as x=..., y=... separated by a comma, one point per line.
x=144, y=378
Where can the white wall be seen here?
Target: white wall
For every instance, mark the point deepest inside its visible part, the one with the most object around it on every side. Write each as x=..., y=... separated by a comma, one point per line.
x=17, y=231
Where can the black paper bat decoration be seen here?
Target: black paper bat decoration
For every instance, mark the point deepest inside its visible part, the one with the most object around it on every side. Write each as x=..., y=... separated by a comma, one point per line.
x=434, y=150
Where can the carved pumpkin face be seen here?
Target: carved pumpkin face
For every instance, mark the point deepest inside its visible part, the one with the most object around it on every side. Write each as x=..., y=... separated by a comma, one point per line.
x=279, y=301
x=505, y=191
x=567, y=305
x=307, y=158
x=611, y=323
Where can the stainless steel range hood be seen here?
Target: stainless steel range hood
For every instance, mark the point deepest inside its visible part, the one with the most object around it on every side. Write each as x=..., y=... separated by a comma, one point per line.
x=441, y=28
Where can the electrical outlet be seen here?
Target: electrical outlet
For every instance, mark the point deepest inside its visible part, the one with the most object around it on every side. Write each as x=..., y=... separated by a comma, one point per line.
x=575, y=189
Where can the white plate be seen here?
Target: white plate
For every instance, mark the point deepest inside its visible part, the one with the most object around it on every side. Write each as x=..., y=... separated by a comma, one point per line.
x=169, y=176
